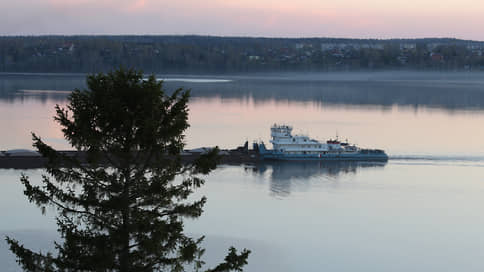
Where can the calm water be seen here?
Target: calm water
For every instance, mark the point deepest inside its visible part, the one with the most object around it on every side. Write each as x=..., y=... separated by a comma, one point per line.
x=421, y=211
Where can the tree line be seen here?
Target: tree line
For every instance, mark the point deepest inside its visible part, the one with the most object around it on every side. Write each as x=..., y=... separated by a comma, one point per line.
x=202, y=54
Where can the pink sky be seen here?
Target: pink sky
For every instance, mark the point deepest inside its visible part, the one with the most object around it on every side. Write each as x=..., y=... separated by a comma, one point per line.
x=271, y=18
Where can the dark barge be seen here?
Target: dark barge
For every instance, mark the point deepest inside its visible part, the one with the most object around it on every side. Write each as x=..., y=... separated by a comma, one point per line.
x=31, y=160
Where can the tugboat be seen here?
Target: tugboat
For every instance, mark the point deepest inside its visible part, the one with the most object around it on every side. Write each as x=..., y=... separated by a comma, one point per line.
x=300, y=147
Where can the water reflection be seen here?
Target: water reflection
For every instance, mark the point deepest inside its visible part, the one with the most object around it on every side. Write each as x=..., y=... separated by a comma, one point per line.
x=285, y=175
x=379, y=91
x=449, y=91
x=18, y=88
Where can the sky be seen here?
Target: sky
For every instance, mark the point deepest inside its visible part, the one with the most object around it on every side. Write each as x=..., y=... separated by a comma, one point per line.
x=379, y=19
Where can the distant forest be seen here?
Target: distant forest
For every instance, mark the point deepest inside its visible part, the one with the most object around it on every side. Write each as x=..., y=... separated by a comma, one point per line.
x=206, y=54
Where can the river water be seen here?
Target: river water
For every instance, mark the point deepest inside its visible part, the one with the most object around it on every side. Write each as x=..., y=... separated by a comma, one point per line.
x=420, y=211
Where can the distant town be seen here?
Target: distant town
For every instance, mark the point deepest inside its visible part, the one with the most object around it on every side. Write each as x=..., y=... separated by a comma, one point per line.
x=206, y=54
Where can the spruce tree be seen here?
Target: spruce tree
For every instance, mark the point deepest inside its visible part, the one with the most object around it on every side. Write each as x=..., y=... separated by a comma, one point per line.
x=122, y=199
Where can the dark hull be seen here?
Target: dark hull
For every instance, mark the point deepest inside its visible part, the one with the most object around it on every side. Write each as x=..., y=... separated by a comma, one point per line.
x=325, y=157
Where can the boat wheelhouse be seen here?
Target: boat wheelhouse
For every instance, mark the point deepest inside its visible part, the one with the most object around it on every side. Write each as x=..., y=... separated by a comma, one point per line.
x=293, y=147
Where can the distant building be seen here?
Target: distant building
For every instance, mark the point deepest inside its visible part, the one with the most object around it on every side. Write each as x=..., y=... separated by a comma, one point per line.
x=378, y=46
x=67, y=47
x=340, y=46
x=337, y=53
x=402, y=59
x=300, y=46
x=284, y=50
x=436, y=57
x=408, y=46
x=328, y=46
x=474, y=46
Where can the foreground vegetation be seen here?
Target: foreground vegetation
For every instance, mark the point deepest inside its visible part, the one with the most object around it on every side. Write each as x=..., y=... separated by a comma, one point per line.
x=128, y=216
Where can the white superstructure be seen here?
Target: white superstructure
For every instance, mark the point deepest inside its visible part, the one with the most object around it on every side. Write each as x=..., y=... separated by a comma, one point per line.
x=284, y=142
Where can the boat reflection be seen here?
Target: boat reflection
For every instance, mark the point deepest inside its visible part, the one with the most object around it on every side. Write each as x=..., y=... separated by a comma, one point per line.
x=285, y=176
